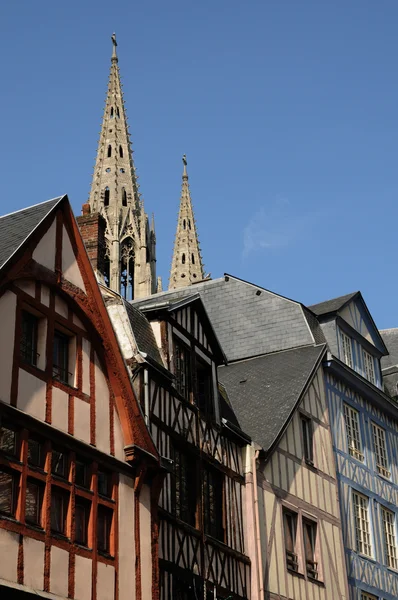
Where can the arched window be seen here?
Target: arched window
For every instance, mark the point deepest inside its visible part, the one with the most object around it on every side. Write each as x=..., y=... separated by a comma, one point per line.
x=193, y=259
x=111, y=112
x=107, y=196
x=183, y=259
x=121, y=151
x=109, y=151
x=117, y=112
x=184, y=224
x=124, y=197
x=189, y=223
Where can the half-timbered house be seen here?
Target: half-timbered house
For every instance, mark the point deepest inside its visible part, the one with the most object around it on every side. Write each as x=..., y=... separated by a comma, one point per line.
x=274, y=390
x=364, y=421
x=76, y=458
x=173, y=353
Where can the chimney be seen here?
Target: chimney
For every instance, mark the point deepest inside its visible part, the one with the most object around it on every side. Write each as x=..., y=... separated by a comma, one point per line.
x=92, y=228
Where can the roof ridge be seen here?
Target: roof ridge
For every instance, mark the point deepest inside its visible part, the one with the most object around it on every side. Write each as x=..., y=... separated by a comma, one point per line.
x=32, y=206
x=262, y=288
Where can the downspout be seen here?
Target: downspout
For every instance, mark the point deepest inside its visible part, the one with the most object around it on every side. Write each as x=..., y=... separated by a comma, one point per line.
x=146, y=397
x=260, y=573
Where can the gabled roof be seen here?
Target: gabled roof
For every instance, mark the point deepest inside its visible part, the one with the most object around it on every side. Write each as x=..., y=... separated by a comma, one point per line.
x=16, y=227
x=143, y=333
x=333, y=305
x=248, y=319
x=265, y=391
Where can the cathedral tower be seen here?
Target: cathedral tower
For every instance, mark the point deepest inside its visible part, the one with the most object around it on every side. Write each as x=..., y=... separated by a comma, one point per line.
x=186, y=266
x=128, y=264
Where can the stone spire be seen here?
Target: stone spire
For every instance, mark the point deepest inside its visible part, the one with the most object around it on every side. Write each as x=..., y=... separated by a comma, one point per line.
x=130, y=255
x=186, y=266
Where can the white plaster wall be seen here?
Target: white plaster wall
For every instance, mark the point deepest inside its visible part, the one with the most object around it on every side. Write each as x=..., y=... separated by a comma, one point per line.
x=156, y=330
x=59, y=571
x=82, y=420
x=9, y=555
x=70, y=268
x=106, y=582
x=60, y=404
x=83, y=570
x=126, y=539
x=45, y=295
x=31, y=395
x=122, y=327
x=28, y=286
x=119, y=440
x=145, y=539
x=102, y=420
x=44, y=253
x=8, y=302
x=61, y=307
x=86, y=366
x=33, y=558
x=78, y=322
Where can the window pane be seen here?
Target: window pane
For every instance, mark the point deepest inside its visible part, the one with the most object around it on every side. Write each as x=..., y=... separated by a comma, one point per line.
x=58, y=463
x=61, y=357
x=182, y=359
x=309, y=532
x=33, y=503
x=28, y=346
x=104, y=484
x=185, y=487
x=59, y=507
x=36, y=454
x=104, y=523
x=81, y=474
x=82, y=511
x=362, y=527
x=306, y=425
x=379, y=443
x=6, y=494
x=351, y=417
x=8, y=440
x=213, y=503
x=390, y=544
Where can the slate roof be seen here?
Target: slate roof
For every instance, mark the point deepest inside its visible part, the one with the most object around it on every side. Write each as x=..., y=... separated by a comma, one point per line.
x=17, y=226
x=248, y=320
x=331, y=306
x=390, y=338
x=265, y=391
x=143, y=333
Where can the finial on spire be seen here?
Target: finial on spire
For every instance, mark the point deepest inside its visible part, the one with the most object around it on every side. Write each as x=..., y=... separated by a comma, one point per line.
x=114, y=42
x=185, y=162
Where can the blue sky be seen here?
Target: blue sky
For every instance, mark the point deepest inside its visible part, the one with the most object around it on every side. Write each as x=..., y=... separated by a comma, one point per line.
x=286, y=109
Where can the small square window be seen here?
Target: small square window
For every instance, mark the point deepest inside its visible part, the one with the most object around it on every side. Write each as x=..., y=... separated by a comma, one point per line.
x=59, y=510
x=34, y=499
x=36, y=453
x=104, y=524
x=8, y=440
x=104, y=484
x=82, y=515
x=7, y=494
x=61, y=357
x=28, y=344
x=59, y=463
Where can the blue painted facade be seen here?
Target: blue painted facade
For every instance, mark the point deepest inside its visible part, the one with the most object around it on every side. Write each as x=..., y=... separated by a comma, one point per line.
x=357, y=468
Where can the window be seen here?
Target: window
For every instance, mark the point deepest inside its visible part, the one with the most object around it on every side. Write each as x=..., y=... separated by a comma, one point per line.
x=184, y=224
x=104, y=484
x=213, y=503
x=61, y=357
x=59, y=510
x=346, y=347
x=390, y=543
x=112, y=112
x=290, y=530
x=379, y=443
x=309, y=535
x=368, y=361
x=109, y=151
x=36, y=453
x=7, y=493
x=182, y=359
x=108, y=170
x=82, y=514
x=362, y=528
x=351, y=417
x=117, y=111
x=204, y=391
x=28, y=346
x=81, y=474
x=185, y=493
x=122, y=171
x=104, y=524
x=59, y=463
x=34, y=498
x=183, y=259
x=193, y=259
x=366, y=596
x=8, y=440
x=107, y=195
x=124, y=197
x=121, y=152
x=307, y=431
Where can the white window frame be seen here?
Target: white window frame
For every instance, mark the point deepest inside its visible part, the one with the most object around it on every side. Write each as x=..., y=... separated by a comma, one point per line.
x=368, y=361
x=360, y=505
x=351, y=418
x=346, y=347
x=390, y=539
x=380, y=450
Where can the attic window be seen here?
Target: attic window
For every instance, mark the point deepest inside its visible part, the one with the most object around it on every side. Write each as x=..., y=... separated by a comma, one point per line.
x=109, y=151
x=258, y=293
x=106, y=196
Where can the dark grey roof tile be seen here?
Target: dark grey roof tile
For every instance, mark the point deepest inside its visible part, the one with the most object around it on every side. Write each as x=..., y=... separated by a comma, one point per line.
x=143, y=333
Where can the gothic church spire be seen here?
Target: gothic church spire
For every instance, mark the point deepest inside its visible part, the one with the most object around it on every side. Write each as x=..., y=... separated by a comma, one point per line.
x=186, y=266
x=130, y=242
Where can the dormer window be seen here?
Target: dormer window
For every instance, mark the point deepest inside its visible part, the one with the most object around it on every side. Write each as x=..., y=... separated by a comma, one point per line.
x=346, y=349
x=369, y=366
